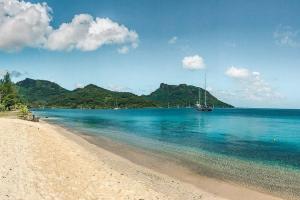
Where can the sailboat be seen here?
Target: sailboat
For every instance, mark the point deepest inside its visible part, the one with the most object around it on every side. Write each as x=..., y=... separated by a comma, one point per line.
x=204, y=107
x=116, y=105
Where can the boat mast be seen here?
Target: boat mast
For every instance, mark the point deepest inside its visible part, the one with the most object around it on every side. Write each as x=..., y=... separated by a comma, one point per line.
x=199, y=96
x=205, y=89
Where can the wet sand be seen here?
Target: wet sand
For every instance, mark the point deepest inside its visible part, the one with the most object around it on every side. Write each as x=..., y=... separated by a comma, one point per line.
x=230, y=178
x=186, y=171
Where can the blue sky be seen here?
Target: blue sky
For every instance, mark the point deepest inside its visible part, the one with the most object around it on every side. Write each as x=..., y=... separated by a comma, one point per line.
x=249, y=49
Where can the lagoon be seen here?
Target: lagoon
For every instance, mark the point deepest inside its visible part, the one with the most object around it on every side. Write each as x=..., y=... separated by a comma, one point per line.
x=255, y=147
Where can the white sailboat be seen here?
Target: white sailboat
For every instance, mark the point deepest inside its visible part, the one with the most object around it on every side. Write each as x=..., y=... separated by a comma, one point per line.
x=116, y=105
x=204, y=107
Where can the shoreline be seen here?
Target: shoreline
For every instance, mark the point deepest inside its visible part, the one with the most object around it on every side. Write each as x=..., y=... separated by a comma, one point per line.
x=172, y=167
x=46, y=161
x=40, y=162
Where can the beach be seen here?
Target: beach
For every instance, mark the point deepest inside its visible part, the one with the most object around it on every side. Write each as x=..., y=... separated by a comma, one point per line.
x=43, y=161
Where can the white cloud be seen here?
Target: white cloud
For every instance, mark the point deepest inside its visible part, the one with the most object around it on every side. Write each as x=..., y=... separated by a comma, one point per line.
x=119, y=88
x=193, y=62
x=251, y=85
x=237, y=72
x=123, y=50
x=79, y=85
x=24, y=24
x=88, y=34
x=173, y=40
x=287, y=36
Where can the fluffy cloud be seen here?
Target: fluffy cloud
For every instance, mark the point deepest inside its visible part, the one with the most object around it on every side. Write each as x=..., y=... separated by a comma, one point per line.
x=287, y=36
x=251, y=85
x=237, y=72
x=88, y=34
x=193, y=62
x=25, y=24
x=173, y=40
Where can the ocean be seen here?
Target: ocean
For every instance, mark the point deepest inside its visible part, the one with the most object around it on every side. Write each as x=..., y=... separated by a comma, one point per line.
x=254, y=147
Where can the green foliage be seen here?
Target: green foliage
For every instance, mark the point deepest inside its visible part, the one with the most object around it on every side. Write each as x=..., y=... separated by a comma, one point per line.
x=23, y=111
x=39, y=93
x=182, y=95
x=2, y=107
x=8, y=93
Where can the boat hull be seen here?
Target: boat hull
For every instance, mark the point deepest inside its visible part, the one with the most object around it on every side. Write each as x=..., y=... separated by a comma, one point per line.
x=204, y=109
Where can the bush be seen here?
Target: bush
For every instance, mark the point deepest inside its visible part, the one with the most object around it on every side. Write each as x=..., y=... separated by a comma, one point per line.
x=2, y=107
x=23, y=112
x=8, y=93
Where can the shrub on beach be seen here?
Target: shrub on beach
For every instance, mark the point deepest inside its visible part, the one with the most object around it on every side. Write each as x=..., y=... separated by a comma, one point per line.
x=23, y=111
x=2, y=107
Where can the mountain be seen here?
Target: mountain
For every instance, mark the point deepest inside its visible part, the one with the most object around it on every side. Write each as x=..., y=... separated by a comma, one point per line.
x=92, y=96
x=39, y=92
x=42, y=93
x=182, y=95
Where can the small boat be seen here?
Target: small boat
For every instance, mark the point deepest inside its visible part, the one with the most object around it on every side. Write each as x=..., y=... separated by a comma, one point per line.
x=116, y=106
x=204, y=107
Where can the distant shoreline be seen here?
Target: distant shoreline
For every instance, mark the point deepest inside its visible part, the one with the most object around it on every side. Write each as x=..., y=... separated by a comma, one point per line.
x=36, y=108
x=43, y=93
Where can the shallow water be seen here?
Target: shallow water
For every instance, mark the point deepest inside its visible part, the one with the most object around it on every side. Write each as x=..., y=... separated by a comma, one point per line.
x=256, y=146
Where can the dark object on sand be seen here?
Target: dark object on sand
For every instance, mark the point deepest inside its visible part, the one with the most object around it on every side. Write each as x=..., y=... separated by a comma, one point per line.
x=35, y=119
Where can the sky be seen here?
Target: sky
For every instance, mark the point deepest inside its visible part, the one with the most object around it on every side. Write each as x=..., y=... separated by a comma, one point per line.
x=249, y=50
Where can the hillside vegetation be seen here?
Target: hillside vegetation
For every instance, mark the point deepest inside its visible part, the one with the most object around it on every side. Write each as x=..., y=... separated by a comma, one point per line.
x=42, y=93
x=9, y=98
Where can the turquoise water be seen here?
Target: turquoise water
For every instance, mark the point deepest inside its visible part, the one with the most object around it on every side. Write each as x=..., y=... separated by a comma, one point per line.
x=260, y=145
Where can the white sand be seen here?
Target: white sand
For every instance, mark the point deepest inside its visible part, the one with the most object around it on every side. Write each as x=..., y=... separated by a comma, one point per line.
x=38, y=162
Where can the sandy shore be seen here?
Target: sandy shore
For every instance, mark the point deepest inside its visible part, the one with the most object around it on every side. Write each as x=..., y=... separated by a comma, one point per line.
x=41, y=161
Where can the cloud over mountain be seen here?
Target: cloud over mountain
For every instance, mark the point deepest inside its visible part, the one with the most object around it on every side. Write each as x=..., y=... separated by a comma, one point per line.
x=24, y=24
x=195, y=62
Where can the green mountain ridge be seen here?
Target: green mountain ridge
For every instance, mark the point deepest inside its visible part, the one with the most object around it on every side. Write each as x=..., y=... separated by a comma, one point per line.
x=42, y=93
x=183, y=95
